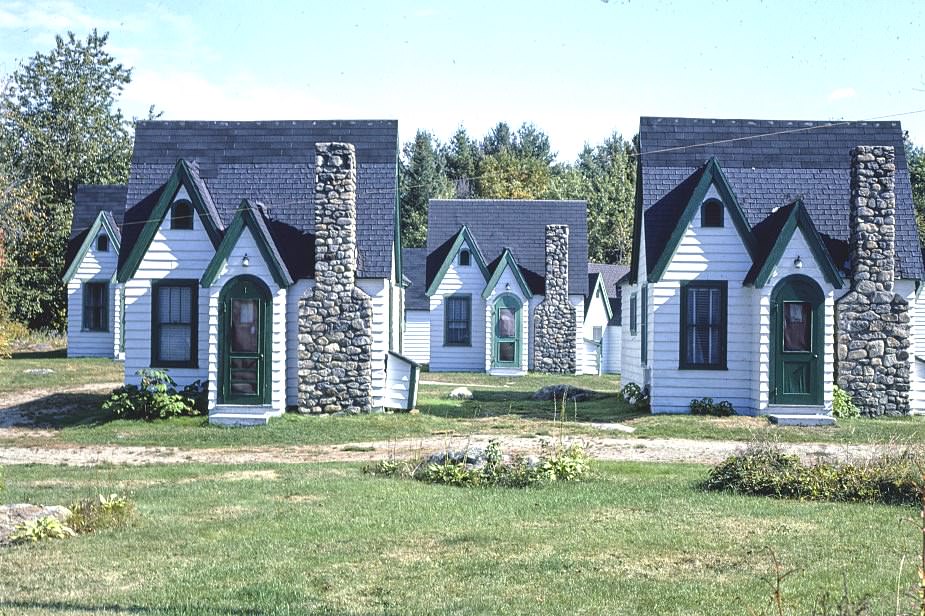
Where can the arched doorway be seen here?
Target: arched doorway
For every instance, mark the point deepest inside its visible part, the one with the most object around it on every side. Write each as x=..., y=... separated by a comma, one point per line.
x=798, y=342
x=506, y=332
x=245, y=330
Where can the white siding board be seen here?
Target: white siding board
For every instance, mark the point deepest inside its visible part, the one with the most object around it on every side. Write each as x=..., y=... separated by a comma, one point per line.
x=611, y=352
x=378, y=291
x=907, y=289
x=294, y=294
x=507, y=281
x=458, y=280
x=95, y=266
x=417, y=336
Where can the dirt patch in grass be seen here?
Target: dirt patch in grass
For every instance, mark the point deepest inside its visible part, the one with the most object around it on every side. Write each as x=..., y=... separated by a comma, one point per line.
x=301, y=499
x=264, y=475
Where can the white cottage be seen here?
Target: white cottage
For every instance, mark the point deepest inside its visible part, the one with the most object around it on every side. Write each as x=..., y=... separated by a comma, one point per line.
x=772, y=260
x=260, y=258
x=503, y=287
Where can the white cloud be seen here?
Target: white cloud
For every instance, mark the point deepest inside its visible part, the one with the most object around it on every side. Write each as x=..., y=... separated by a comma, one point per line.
x=841, y=93
x=51, y=16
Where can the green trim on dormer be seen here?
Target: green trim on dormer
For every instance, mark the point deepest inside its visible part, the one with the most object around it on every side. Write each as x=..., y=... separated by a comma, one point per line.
x=182, y=176
x=102, y=222
x=463, y=237
x=712, y=176
x=246, y=217
x=506, y=262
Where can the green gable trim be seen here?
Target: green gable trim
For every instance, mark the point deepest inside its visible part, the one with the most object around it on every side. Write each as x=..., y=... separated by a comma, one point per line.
x=181, y=176
x=712, y=176
x=246, y=217
x=600, y=291
x=464, y=236
x=507, y=262
x=101, y=222
x=799, y=218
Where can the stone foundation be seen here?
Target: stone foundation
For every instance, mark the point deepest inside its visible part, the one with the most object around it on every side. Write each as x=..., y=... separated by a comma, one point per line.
x=335, y=317
x=873, y=322
x=554, y=319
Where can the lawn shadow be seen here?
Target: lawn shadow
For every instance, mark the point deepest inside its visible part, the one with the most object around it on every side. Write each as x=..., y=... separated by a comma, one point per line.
x=58, y=411
x=52, y=607
x=40, y=354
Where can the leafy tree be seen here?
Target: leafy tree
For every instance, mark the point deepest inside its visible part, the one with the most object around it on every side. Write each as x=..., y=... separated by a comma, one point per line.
x=915, y=158
x=423, y=178
x=531, y=142
x=59, y=127
x=506, y=175
x=498, y=139
x=463, y=159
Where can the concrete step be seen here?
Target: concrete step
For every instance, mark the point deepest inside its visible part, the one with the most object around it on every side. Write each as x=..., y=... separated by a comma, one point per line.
x=243, y=409
x=239, y=419
x=801, y=419
x=793, y=409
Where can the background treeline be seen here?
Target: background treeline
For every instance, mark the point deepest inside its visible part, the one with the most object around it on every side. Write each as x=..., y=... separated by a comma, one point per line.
x=60, y=126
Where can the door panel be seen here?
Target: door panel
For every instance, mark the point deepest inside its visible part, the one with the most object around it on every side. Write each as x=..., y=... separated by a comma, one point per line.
x=797, y=310
x=506, y=329
x=244, y=342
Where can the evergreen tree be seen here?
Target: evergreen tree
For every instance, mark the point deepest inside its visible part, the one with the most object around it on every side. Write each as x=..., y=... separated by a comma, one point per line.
x=422, y=178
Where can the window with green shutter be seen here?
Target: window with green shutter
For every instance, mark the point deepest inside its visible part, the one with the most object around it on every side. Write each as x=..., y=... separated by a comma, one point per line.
x=96, y=306
x=703, y=325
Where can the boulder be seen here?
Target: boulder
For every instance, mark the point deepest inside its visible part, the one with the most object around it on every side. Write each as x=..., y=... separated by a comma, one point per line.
x=556, y=392
x=461, y=393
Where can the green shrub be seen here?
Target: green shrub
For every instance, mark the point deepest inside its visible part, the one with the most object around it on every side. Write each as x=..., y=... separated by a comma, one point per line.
x=706, y=406
x=155, y=398
x=47, y=527
x=10, y=332
x=93, y=514
x=766, y=471
x=636, y=398
x=569, y=463
x=843, y=406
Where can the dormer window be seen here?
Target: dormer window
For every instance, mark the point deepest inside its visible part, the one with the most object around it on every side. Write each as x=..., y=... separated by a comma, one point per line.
x=464, y=258
x=181, y=215
x=711, y=213
x=102, y=243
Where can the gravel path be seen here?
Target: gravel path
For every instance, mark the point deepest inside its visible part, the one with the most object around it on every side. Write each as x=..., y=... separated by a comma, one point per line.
x=638, y=450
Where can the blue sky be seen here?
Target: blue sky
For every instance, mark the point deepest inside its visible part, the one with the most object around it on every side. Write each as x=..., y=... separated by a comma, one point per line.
x=578, y=69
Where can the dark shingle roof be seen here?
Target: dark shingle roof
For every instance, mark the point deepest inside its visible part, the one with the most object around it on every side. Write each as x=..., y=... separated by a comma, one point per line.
x=91, y=199
x=273, y=162
x=612, y=275
x=808, y=159
x=414, y=262
x=520, y=226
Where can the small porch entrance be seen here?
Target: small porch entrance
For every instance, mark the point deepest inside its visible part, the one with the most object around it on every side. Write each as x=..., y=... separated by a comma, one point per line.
x=244, y=342
x=798, y=344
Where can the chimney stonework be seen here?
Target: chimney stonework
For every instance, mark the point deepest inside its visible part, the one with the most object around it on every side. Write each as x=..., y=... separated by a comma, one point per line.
x=335, y=317
x=873, y=322
x=554, y=319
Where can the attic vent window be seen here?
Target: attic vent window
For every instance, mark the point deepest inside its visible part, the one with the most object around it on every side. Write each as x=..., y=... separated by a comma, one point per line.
x=711, y=213
x=464, y=257
x=102, y=243
x=181, y=215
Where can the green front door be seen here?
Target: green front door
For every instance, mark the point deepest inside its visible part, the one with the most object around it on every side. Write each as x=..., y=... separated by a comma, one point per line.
x=507, y=332
x=244, y=342
x=797, y=349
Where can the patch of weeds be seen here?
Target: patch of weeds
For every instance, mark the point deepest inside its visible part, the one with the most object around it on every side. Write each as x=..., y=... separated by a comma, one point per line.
x=491, y=468
x=843, y=406
x=765, y=470
x=358, y=448
x=93, y=514
x=706, y=406
x=635, y=398
x=41, y=529
x=156, y=398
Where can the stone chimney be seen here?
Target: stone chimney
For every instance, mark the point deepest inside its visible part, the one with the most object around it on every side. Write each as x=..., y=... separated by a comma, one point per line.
x=554, y=319
x=335, y=317
x=873, y=322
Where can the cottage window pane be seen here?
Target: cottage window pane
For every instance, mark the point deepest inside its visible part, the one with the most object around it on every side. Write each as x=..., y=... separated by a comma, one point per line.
x=506, y=351
x=458, y=319
x=797, y=326
x=175, y=320
x=506, y=324
x=244, y=325
x=96, y=306
x=704, y=326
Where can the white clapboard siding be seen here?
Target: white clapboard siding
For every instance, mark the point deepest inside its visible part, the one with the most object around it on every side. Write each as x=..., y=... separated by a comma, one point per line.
x=907, y=289
x=417, y=336
x=578, y=303
x=378, y=291
x=458, y=280
x=596, y=316
x=295, y=293
x=95, y=266
x=631, y=369
x=708, y=254
x=401, y=376
x=174, y=254
x=798, y=247
x=611, y=351
x=507, y=285
x=257, y=267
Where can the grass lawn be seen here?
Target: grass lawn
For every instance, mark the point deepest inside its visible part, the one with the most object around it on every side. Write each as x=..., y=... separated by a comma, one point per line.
x=17, y=374
x=326, y=539
x=501, y=405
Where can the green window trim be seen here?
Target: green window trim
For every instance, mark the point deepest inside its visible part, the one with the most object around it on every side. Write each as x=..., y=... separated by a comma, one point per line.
x=513, y=303
x=465, y=299
x=462, y=239
x=686, y=287
x=157, y=288
x=507, y=262
x=95, y=307
x=644, y=325
x=633, y=311
x=101, y=223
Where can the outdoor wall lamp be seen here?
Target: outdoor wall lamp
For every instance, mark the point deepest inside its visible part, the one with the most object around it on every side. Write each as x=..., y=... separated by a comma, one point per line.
x=798, y=263
x=246, y=261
